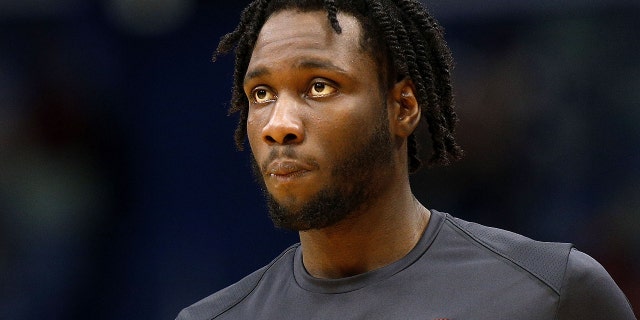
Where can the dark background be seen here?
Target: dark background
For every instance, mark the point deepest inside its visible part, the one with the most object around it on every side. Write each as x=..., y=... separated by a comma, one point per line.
x=121, y=195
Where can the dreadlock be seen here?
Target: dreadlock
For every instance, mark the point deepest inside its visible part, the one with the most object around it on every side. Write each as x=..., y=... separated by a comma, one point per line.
x=400, y=34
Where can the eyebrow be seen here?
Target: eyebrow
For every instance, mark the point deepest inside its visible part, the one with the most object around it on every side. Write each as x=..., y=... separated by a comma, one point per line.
x=256, y=73
x=305, y=64
x=320, y=64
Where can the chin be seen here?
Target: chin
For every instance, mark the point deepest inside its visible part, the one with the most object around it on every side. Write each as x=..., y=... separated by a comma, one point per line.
x=324, y=209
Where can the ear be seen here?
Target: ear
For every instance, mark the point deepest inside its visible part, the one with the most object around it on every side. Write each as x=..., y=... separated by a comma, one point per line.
x=404, y=114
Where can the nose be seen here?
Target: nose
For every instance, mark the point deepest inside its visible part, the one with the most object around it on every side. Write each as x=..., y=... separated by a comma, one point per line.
x=285, y=124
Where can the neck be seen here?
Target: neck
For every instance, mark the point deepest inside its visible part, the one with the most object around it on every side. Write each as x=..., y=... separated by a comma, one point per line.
x=369, y=239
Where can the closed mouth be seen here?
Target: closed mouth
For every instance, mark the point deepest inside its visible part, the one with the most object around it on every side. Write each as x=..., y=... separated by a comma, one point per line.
x=287, y=169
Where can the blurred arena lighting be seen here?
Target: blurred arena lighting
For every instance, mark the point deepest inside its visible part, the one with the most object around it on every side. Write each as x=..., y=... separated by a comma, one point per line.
x=149, y=17
x=459, y=9
x=30, y=9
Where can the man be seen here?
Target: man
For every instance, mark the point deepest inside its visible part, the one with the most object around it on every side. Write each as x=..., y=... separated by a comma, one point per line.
x=329, y=95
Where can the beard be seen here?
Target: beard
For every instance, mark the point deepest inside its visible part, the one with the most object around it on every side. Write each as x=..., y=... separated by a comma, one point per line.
x=352, y=185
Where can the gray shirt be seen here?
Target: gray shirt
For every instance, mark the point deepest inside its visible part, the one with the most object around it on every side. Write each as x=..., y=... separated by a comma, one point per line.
x=458, y=270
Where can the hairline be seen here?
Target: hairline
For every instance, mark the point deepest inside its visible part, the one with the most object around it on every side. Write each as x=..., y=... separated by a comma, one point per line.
x=368, y=43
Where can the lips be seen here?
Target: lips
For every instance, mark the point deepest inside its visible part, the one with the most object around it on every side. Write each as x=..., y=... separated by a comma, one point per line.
x=287, y=169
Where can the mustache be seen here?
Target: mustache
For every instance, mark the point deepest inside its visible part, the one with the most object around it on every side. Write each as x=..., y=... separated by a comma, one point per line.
x=280, y=152
x=285, y=152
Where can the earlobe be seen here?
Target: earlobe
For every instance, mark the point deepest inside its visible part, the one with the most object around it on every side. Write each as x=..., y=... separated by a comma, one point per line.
x=406, y=111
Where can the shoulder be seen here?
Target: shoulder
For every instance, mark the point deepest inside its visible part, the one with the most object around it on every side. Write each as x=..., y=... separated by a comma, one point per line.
x=589, y=292
x=584, y=288
x=225, y=299
x=546, y=261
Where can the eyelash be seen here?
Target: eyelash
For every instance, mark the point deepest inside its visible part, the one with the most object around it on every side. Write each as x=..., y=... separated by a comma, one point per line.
x=325, y=83
x=255, y=91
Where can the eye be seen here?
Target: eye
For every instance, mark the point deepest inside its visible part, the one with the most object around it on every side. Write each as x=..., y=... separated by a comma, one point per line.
x=262, y=95
x=321, y=89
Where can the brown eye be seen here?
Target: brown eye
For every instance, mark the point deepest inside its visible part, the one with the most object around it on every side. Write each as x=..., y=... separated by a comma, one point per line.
x=321, y=89
x=261, y=95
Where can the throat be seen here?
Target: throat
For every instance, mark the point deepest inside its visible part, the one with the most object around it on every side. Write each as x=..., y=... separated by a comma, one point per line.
x=353, y=248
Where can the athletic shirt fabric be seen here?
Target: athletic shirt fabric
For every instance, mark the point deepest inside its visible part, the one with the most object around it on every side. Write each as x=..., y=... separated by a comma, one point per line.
x=458, y=270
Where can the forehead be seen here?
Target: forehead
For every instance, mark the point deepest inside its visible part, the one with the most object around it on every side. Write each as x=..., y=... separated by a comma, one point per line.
x=291, y=22
x=291, y=35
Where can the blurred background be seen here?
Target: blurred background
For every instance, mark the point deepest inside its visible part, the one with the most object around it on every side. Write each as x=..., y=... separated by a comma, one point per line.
x=122, y=196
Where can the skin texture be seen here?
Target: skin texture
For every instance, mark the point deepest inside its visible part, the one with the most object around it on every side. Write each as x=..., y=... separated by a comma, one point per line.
x=328, y=143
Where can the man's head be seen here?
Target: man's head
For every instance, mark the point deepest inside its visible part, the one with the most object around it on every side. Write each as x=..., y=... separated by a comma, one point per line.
x=329, y=95
x=401, y=35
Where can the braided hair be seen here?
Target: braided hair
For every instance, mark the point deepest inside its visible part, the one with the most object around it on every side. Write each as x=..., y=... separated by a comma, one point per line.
x=400, y=34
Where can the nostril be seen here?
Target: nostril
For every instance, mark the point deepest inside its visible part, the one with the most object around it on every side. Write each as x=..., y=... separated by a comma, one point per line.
x=289, y=137
x=270, y=139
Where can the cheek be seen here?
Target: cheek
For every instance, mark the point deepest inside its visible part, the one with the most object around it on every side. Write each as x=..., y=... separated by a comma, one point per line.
x=254, y=130
x=341, y=132
x=361, y=117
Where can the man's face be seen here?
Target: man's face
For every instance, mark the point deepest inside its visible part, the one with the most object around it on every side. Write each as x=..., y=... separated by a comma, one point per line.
x=317, y=122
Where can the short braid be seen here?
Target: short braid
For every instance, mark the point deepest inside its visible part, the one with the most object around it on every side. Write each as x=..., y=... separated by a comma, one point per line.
x=412, y=150
x=387, y=28
x=440, y=56
x=230, y=40
x=242, y=38
x=405, y=59
x=332, y=15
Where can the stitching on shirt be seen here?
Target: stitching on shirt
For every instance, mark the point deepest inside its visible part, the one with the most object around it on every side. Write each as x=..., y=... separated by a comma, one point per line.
x=255, y=283
x=489, y=247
